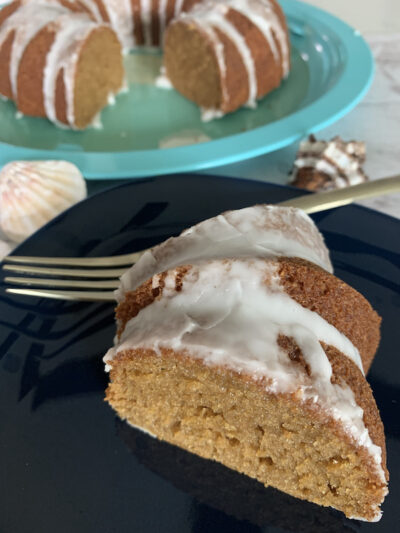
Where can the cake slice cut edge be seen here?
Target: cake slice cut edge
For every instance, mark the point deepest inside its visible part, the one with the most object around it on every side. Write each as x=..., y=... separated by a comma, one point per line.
x=227, y=417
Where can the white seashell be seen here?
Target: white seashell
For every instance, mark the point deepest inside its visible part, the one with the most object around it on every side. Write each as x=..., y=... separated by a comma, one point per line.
x=34, y=192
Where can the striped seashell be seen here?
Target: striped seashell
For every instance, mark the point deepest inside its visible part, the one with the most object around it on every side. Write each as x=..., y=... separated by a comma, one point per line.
x=34, y=192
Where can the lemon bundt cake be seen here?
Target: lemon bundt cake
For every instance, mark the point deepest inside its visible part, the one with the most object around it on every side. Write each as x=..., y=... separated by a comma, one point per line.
x=61, y=59
x=237, y=343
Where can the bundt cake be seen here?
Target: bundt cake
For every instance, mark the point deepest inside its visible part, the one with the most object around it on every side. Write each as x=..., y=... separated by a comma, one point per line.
x=237, y=343
x=61, y=59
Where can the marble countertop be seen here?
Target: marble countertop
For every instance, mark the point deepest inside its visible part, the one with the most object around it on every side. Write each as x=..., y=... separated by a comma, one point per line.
x=367, y=16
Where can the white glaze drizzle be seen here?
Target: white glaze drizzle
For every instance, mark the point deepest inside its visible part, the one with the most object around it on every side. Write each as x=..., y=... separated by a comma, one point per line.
x=211, y=114
x=258, y=231
x=162, y=81
x=245, y=287
x=121, y=18
x=145, y=15
x=162, y=18
x=26, y=21
x=178, y=7
x=72, y=30
x=238, y=325
x=93, y=9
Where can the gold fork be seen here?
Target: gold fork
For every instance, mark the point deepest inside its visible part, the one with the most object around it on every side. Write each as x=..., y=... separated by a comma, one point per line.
x=100, y=281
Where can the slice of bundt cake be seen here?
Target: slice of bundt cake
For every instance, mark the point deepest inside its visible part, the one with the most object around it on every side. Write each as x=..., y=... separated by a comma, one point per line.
x=242, y=354
x=224, y=54
x=58, y=63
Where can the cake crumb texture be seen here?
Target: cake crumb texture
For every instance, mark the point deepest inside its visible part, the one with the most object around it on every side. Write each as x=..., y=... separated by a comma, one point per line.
x=221, y=415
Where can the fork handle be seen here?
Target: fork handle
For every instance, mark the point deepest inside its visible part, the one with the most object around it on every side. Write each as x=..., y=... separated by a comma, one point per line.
x=312, y=203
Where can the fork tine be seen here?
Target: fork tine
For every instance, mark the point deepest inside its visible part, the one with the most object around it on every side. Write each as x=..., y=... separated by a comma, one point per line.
x=70, y=272
x=115, y=260
x=41, y=282
x=90, y=296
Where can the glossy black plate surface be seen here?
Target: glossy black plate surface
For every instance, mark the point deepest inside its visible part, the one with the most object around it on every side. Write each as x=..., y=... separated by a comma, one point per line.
x=67, y=465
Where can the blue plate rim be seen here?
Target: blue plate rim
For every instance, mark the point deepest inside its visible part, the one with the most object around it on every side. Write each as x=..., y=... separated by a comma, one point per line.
x=330, y=107
x=186, y=176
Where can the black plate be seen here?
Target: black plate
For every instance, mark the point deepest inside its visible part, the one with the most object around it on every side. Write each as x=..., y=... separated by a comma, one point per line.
x=67, y=465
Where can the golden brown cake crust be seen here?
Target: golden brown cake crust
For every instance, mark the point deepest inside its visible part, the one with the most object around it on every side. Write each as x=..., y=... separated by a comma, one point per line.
x=5, y=55
x=61, y=102
x=5, y=51
x=344, y=369
x=30, y=74
x=338, y=303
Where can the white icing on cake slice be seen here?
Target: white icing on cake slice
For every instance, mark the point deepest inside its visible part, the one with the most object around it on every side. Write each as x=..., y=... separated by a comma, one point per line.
x=259, y=231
